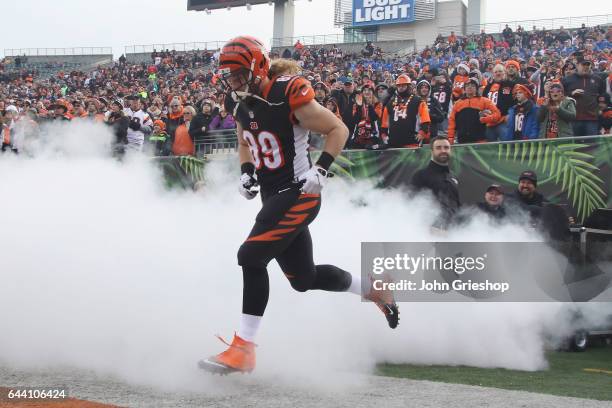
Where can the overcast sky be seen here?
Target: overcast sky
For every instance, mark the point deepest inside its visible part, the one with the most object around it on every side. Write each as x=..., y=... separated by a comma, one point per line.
x=117, y=23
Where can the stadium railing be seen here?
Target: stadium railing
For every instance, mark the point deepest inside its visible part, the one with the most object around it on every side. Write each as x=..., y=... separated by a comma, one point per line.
x=179, y=47
x=341, y=38
x=226, y=142
x=217, y=142
x=548, y=23
x=76, y=51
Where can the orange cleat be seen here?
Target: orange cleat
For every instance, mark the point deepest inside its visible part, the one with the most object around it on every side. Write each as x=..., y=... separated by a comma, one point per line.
x=238, y=358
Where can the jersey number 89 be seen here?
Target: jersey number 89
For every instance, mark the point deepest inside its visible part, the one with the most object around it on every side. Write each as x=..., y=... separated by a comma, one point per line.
x=265, y=148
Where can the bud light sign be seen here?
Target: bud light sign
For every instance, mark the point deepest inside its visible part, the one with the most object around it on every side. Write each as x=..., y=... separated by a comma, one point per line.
x=376, y=12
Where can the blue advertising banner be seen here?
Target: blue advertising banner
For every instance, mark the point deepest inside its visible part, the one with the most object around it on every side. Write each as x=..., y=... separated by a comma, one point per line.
x=376, y=12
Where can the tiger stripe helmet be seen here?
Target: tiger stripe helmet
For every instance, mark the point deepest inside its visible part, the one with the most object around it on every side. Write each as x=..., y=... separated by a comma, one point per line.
x=244, y=52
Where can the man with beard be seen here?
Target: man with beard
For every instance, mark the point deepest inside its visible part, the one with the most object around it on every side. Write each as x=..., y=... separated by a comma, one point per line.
x=526, y=194
x=403, y=115
x=523, y=117
x=438, y=179
x=382, y=93
x=513, y=72
x=585, y=88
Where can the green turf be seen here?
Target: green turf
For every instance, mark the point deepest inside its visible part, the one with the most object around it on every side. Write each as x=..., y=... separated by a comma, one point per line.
x=564, y=377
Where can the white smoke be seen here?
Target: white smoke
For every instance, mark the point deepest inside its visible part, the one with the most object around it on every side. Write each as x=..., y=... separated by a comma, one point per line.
x=104, y=269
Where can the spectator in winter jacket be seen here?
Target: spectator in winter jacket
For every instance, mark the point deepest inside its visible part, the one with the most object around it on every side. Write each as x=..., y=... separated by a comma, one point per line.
x=366, y=134
x=345, y=98
x=460, y=78
x=605, y=114
x=175, y=117
x=499, y=91
x=139, y=126
x=405, y=119
x=556, y=113
x=470, y=115
x=223, y=121
x=586, y=89
x=201, y=122
x=522, y=117
x=435, y=109
x=119, y=123
x=159, y=142
x=183, y=144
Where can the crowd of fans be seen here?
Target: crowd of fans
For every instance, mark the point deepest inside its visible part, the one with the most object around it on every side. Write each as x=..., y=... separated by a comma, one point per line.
x=487, y=87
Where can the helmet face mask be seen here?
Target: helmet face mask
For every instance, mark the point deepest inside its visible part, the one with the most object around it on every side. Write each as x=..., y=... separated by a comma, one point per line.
x=243, y=65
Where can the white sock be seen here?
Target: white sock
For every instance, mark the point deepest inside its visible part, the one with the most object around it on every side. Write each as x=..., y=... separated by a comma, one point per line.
x=355, y=285
x=249, y=324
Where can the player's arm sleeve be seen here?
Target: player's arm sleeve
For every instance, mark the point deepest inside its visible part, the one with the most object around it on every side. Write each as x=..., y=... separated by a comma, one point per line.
x=299, y=93
x=244, y=153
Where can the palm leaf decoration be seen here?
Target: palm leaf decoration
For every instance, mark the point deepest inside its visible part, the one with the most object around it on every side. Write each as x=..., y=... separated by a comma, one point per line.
x=565, y=165
x=339, y=167
x=193, y=167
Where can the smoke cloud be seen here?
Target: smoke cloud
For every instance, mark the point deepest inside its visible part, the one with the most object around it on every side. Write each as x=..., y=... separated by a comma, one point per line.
x=104, y=269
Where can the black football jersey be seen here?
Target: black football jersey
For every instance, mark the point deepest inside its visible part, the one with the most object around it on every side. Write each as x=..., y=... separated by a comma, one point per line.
x=278, y=143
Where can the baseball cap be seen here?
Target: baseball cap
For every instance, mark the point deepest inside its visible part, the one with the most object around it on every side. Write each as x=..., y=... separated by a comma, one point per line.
x=495, y=187
x=529, y=175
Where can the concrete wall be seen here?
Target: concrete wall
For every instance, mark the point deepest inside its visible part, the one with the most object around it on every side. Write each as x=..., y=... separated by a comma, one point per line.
x=81, y=59
x=387, y=46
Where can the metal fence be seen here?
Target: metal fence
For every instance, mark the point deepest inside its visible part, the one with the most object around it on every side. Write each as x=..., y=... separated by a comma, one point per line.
x=548, y=23
x=180, y=47
x=341, y=38
x=226, y=141
x=217, y=142
x=32, y=52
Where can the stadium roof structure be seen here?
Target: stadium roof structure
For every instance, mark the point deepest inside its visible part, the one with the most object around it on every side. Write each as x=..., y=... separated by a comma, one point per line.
x=202, y=5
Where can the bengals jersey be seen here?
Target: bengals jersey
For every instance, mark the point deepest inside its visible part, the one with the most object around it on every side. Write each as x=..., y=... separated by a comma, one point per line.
x=500, y=93
x=458, y=85
x=403, y=118
x=442, y=92
x=278, y=143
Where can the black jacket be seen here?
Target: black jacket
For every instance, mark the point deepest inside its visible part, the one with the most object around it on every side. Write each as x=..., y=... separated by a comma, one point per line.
x=436, y=114
x=443, y=184
x=497, y=213
x=345, y=106
x=587, y=106
x=200, y=121
x=172, y=124
x=537, y=199
x=119, y=125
